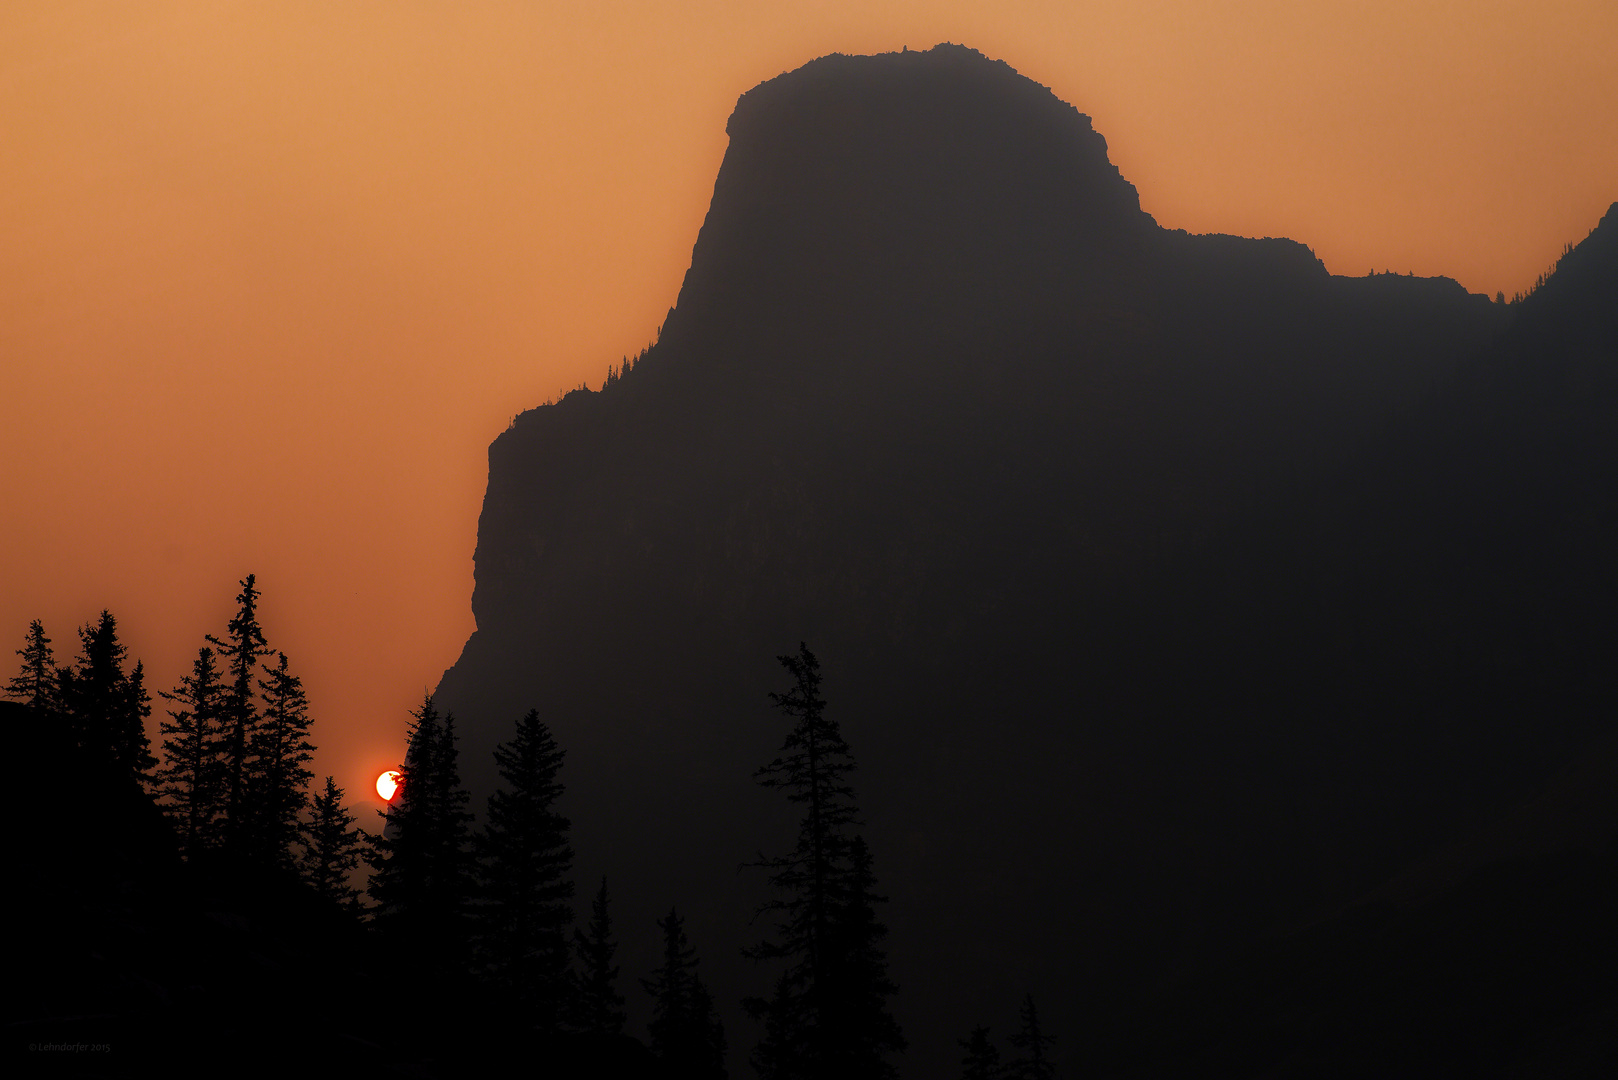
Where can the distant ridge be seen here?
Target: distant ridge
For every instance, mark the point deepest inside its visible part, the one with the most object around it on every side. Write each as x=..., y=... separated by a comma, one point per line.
x=1124, y=552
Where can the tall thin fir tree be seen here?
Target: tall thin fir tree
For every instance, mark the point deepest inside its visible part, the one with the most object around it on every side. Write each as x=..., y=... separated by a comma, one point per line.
x=686, y=1034
x=279, y=780
x=524, y=865
x=1033, y=1060
x=454, y=876
x=399, y=854
x=38, y=684
x=856, y=976
x=134, y=747
x=106, y=708
x=332, y=848
x=452, y=831
x=241, y=650
x=829, y=1014
x=191, y=778
x=599, y=1007
x=710, y=1031
x=421, y=876
x=982, y=1059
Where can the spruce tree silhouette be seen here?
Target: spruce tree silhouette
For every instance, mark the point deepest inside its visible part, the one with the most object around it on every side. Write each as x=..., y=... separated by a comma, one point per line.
x=524, y=863
x=1032, y=1061
x=190, y=781
x=279, y=779
x=858, y=986
x=106, y=708
x=131, y=748
x=685, y=1031
x=828, y=1015
x=982, y=1060
x=241, y=654
x=599, y=1007
x=422, y=868
x=332, y=848
x=711, y=1047
x=38, y=684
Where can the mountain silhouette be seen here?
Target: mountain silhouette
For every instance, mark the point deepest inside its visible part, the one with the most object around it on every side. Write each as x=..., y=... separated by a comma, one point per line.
x=1166, y=586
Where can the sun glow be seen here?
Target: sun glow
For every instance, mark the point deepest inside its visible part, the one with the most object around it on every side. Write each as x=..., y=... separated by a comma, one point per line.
x=387, y=784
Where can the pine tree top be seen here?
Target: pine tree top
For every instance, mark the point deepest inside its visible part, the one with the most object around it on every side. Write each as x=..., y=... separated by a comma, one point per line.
x=332, y=847
x=37, y=684
x=600, y=1005
x=829, y=1014
x=1032, y=1061
x=982, y=1059
x=814, y=757
x=244, y=642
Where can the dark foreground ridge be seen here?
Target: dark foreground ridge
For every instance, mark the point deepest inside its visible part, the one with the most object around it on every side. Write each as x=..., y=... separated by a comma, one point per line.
x=1172, y=588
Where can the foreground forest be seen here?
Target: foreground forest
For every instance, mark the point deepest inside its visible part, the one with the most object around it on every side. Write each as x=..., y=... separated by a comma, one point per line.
x=166, y=925
x=212, y=900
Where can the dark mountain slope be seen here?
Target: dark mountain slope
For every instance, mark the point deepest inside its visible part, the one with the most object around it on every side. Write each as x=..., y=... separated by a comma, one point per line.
x=1495, y=957
x=1507, y=973
x=940, y=400
x=1442, y=611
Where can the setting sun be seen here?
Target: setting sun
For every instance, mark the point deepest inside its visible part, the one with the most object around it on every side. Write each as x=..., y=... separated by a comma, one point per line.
x=387, y=784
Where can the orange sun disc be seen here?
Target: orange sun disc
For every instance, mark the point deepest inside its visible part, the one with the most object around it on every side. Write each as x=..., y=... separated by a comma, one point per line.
x=387, y=784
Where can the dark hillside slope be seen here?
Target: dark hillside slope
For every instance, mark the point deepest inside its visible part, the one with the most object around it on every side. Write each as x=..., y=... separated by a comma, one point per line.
x=1442, y=613
x=1497, y=956
x=940, y=400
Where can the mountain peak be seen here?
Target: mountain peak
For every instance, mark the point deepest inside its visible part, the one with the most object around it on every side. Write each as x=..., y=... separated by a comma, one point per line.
x=949, y=106
x=854, y=176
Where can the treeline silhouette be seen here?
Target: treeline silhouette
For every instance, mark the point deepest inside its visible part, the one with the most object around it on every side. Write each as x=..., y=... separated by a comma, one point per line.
x=470, y=925
x=615, y=374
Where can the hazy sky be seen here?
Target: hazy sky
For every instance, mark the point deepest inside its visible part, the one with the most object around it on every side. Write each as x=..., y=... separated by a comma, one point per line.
x=274, y=274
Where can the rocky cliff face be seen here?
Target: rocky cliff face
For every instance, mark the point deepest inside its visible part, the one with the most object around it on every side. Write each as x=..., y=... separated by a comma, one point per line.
x=940, y=400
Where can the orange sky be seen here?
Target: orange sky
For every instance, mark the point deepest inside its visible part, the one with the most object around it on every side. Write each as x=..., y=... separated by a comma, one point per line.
x=273, y=274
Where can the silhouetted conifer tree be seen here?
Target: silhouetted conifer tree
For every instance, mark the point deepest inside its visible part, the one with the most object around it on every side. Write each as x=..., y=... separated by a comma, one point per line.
x=685, y=1031
x=133, y=748
x=191, y=778
x=241, y=654
x=856, y=973
x=524, y=864
x=982, y=1060
x=599, y=1007
x=332, y=848
x=279, y=778
x=829, y=1014
x=422, y=872
x=709, y=1061
x=38, y=684
x=1032, y=1061
x=105, y=707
